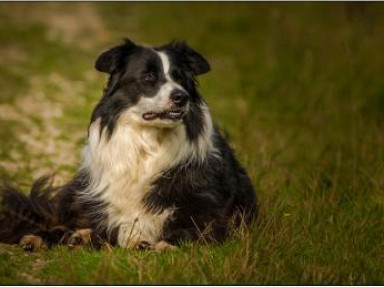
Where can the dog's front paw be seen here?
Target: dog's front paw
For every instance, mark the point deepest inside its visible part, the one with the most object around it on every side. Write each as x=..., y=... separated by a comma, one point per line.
x=80, y=237
x=162, y=246
x=32, y=243
x=144, y=245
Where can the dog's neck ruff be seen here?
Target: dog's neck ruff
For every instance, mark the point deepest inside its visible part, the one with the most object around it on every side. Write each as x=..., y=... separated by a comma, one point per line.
x=133, y=146
x=124, y=166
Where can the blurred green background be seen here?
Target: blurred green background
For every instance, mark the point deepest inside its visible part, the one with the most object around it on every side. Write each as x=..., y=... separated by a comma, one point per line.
x=298, y=88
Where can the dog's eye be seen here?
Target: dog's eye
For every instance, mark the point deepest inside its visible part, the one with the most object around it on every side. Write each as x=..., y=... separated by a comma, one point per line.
x=149, y=77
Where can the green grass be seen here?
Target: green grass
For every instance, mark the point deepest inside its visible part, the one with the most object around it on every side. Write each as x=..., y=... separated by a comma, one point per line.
x=297, y=86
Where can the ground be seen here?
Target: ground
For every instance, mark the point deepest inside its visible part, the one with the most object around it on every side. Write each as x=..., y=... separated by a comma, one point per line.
x=297, y=87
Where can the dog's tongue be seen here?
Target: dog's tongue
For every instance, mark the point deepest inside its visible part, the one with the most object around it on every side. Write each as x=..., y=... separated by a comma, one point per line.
x=150, y=116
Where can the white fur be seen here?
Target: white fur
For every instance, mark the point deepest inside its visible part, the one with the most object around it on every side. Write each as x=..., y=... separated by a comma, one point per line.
x=124, y=167
x=165, y=62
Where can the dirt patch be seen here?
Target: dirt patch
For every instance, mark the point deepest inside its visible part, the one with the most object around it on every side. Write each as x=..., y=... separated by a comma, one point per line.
x=38, y=114
x=35, y=268
x=30, y=278
x=79, y=24
x=12, y=57
x=40, y=111
x=71, y=23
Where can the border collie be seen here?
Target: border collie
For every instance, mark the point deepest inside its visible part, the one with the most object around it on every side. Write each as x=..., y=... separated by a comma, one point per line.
x=155, y=171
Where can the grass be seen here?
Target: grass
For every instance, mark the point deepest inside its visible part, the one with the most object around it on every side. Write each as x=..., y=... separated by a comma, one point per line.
x=297, y=86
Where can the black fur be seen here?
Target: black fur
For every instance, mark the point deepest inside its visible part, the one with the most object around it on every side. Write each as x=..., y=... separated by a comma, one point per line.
x=186, y=58
x=207, y=195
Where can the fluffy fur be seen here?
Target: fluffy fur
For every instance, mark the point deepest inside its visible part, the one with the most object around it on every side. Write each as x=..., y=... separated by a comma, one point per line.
x=154, y=169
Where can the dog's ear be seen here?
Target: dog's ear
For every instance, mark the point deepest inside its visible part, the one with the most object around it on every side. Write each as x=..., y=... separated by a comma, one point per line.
x=112, y=59
x=196, y=62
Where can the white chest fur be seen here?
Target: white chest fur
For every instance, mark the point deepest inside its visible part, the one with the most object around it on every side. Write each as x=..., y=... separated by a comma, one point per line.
x=124, y=166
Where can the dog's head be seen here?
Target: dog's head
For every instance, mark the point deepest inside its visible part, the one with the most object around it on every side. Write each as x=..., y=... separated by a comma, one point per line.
x=150, y=86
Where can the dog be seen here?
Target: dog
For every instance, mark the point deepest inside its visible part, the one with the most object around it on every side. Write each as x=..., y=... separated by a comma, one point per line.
x=155, y=171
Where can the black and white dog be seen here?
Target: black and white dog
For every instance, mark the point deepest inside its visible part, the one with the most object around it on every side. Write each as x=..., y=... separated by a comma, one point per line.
x=155, y=171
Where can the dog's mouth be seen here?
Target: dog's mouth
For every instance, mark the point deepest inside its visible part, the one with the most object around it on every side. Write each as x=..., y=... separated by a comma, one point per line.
x=168, y=115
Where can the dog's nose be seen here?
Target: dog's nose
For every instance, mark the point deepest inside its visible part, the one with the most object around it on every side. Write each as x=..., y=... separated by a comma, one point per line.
x=179, y=98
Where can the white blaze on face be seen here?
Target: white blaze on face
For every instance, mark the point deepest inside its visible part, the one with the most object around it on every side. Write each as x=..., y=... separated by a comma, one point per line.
x=166, y=64
x=170, y=85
